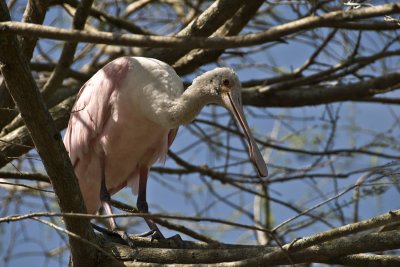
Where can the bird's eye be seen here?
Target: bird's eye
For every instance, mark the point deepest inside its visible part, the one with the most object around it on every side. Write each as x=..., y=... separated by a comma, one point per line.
x=226, y=82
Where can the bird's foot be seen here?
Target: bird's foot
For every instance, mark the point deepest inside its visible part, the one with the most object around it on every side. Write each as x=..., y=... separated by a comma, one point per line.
x=177, y=241
x=156, y=235
x=119, y=233
x=125, y=237
x=173, y=241
x=147, y=234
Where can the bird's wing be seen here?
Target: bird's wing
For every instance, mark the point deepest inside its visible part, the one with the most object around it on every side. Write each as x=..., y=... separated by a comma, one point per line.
x=93, y=108
x=166, y=144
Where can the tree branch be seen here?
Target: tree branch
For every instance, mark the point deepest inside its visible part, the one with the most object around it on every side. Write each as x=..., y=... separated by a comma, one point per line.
x=204, y=25
x=35, y=12
x=273, y=34
x=319, y=94
x=198, y=57
x=67, y=54
x=47, y=140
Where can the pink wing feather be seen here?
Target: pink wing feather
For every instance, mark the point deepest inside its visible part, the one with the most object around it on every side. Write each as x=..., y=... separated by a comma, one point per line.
x=92, y=108
x=89, y=116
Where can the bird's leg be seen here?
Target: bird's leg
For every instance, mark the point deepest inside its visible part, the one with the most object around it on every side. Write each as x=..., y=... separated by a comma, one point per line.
x=143, y=207
x=105, y=202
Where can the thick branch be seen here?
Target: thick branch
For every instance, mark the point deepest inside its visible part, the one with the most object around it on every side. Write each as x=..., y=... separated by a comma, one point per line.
x=233, y=26
x=230, y=255
x=47, y=140
x=316, y=95
x=34, y=13
x=209, y=21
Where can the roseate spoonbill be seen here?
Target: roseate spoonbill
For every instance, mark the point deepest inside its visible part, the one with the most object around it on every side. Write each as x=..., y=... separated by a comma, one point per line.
x=127, y=115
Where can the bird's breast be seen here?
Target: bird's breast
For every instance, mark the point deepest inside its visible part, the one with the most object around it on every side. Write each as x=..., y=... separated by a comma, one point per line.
x=130, y=141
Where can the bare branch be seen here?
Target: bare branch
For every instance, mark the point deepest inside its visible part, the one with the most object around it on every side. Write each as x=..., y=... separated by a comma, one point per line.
x=273, y=34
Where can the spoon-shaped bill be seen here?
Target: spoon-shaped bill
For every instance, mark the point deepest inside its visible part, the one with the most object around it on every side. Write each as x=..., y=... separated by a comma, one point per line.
x=233, y=104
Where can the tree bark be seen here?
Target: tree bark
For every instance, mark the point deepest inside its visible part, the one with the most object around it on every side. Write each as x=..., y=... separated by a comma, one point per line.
x=48, y=142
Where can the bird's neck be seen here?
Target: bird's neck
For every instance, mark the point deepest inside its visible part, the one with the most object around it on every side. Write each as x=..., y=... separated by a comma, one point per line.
x=186, y=107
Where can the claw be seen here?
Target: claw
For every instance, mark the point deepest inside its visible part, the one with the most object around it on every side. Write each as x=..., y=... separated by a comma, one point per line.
x=119, y=233
x=156, y=235
x=174, y=241
x=125, y=237
x=177, y=241
x=146, y=234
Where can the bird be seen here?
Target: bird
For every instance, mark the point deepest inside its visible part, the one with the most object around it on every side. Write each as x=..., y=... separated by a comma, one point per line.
x=126, y=117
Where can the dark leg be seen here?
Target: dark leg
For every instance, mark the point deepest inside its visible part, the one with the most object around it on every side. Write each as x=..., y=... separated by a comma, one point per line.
x=143, y=207
x=142, y=203
x=105, y=202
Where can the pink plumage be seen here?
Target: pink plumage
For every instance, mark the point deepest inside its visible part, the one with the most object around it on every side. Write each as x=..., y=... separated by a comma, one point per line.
x=104, y=121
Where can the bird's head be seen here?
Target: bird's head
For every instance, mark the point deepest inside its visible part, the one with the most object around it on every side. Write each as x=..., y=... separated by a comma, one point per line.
x=222, y=86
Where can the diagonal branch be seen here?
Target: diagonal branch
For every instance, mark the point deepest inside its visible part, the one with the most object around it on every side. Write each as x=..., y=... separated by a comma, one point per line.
x=47, y=140
x=204, y=25
x=67, y=54
x=233, y=26
x=34, y=13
